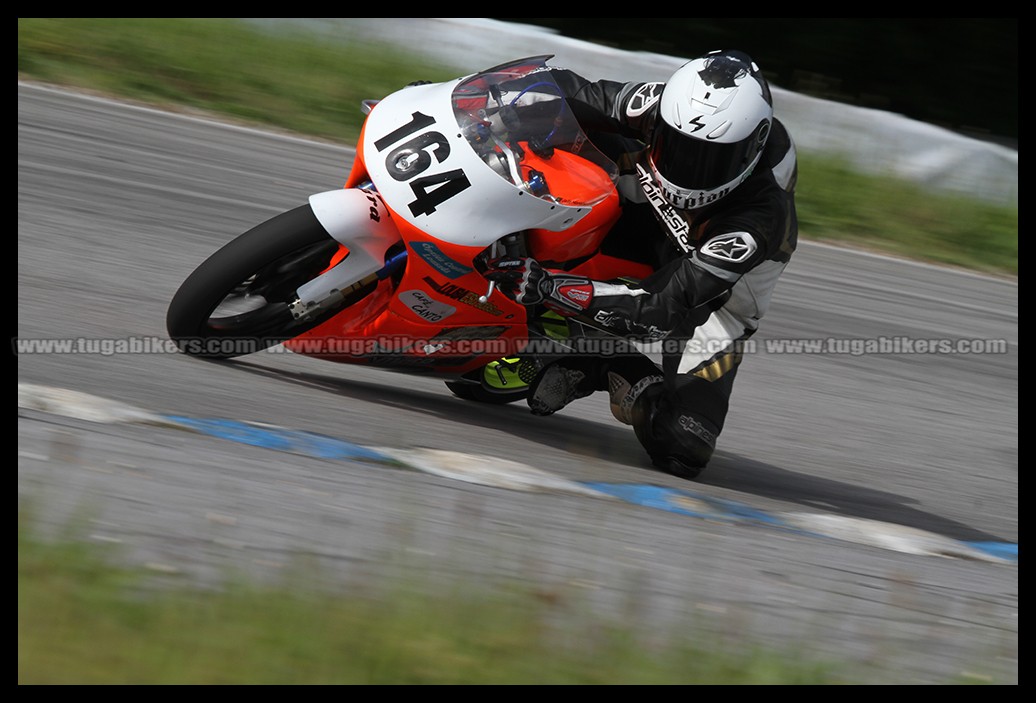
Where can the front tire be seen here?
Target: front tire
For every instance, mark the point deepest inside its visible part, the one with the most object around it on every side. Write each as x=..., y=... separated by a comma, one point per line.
x=237, y=301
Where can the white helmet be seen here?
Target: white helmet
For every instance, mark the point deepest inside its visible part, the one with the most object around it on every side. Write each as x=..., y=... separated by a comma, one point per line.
x=714, y=117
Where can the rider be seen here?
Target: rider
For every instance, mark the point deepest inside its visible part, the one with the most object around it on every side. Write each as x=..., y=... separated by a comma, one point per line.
x=707, y=189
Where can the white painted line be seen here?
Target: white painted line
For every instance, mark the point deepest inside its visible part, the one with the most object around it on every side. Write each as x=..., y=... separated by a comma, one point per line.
x=83, y=406
x=885, y=535
x=486, y=471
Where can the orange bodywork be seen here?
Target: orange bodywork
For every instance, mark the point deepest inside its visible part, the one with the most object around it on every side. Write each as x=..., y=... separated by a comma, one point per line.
x=429, y=317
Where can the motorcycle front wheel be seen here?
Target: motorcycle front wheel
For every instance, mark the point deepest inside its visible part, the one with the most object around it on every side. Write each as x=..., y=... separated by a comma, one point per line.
x=237, y=301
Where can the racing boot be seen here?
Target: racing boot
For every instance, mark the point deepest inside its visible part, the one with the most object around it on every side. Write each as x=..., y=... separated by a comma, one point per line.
x=562, y=382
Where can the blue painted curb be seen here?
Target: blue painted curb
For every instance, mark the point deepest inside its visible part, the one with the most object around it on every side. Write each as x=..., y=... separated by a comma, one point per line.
x=85, y=406
x=668, y=499
x=657, y=497
x=1003, y=550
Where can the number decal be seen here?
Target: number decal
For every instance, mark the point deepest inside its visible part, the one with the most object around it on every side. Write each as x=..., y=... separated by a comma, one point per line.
x=406, y=161
x=417, y=121
x=411, y=159
x=437, y=189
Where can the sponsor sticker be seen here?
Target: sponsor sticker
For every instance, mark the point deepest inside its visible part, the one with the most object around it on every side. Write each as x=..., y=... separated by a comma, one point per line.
x=439, y=261
x=425, y=307
x=463, y=295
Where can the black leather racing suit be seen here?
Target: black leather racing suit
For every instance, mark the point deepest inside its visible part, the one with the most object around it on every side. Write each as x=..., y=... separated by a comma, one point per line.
x=716, y=268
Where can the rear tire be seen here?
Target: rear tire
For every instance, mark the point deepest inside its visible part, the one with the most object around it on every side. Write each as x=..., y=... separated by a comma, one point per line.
x=236, y=302
x=476, y=393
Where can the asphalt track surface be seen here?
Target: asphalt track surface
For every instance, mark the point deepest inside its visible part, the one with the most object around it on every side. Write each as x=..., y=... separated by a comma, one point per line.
x=861, y=507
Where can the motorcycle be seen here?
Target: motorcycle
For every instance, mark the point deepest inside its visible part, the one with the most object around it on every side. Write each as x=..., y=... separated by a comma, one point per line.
x=385, y=271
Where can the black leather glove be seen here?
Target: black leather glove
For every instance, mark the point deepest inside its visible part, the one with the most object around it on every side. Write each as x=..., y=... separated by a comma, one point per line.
x=525, y=281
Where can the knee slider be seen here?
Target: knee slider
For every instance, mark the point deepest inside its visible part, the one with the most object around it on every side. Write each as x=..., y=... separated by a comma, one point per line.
x=624, y=394
x=678, y=442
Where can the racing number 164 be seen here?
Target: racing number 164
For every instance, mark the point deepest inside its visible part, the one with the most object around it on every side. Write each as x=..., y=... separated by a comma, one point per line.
x=409, y=160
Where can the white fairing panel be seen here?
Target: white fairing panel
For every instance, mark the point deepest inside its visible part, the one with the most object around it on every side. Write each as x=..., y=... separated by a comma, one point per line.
x=358, y=220
x=427, y=173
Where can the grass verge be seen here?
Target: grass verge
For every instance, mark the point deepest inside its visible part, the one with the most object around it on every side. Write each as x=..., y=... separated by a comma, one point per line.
x=83, y=619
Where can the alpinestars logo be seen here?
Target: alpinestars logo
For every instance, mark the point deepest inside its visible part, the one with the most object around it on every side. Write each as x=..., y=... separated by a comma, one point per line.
x=626, y=404
x=697, y=429
x=675, y=226
x=644, y=97
x=731, y=248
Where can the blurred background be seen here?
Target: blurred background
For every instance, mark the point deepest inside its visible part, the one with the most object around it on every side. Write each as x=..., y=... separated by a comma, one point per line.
x=892, y=97
x=959, y=72
x=929, y=101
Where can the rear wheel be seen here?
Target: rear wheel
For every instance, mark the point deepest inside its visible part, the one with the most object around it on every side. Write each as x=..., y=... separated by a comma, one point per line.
x=499, y=382
x=237, y=301
x=476, y=393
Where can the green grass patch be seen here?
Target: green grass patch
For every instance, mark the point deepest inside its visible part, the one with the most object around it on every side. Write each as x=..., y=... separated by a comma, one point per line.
x=287, y=79
x=841, y=206
x=84, y=620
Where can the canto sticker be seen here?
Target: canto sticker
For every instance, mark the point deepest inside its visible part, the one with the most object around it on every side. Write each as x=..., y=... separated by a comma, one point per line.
x=422, y=305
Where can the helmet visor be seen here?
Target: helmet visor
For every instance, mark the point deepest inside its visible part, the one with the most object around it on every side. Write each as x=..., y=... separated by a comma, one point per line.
x=698, y=164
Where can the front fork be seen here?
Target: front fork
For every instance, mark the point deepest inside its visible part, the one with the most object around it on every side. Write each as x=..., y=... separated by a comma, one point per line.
x=357, y=219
